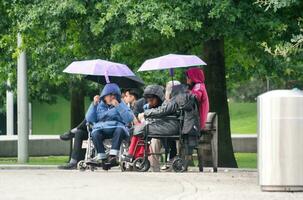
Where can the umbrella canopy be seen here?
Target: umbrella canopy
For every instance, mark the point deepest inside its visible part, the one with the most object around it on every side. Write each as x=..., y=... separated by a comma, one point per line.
x=171, y=61
x=99, y=67
x=124, y=82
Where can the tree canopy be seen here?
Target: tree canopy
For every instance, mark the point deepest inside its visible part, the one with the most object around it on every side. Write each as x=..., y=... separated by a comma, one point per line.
x=261, y=39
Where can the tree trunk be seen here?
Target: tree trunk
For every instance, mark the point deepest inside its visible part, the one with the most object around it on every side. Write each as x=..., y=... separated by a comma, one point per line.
x=213, y=53
x=77, y=106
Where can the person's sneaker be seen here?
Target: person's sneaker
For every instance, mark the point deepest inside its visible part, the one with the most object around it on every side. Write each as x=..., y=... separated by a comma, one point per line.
x=96, y=161
x=112, y=161
x=127, y=158
x=67, y=135
x=69, y=166
x=167, y=165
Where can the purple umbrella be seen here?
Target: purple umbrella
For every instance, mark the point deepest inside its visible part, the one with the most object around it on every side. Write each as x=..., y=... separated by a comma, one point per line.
x=99, y=67
x=171, y=61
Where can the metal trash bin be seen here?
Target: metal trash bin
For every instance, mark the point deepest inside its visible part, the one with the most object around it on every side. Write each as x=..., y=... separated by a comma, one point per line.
x=280, y=140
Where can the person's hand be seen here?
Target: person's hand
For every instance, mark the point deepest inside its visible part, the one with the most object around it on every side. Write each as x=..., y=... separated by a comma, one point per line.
x=114, y=102
x=141, y=117
x=96, y=99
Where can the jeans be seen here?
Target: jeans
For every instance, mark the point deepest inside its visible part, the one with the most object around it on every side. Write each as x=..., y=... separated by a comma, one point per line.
x=116, y=134
x=78, y=153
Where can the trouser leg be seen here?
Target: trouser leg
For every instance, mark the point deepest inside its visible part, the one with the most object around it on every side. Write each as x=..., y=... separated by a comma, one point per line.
x=173, y=149
x=133, y=144
x=98, y=138
x=155, y=147
x=77, y=153
x=118, y=136
x=82, y=125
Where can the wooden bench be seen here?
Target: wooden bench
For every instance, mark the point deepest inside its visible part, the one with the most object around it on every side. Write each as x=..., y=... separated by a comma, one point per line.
x=207, y=150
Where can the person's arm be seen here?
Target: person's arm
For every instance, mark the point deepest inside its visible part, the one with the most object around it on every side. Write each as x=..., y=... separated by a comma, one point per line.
x=163, y=110
x=105, y=113
x=91, y=114
x=198, y=93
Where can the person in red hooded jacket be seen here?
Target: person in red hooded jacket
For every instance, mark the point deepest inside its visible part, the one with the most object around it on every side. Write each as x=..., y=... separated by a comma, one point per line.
x=195, y=79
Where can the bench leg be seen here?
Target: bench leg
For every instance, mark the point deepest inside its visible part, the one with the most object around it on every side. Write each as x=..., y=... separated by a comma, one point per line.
x=214, y=152
x=200, y=157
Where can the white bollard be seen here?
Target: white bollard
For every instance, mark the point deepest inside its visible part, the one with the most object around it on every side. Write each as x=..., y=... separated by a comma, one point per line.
x=9, y=110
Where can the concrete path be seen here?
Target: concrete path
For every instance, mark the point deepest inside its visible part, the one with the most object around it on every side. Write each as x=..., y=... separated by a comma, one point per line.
x=46, y=184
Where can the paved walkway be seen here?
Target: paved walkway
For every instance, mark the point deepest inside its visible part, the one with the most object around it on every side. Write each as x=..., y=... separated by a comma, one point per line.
x=51, y=184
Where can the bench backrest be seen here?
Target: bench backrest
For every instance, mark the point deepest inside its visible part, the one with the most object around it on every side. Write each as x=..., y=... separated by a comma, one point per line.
x=211, y=122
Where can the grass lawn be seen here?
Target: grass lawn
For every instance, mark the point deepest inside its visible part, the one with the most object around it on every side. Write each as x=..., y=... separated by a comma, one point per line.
x=243, y=117
x=54, y=119
x=244, y=160
x=47, y=160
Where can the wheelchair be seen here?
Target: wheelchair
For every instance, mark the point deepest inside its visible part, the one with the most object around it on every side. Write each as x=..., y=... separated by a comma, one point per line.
x=86, y=164
x=179, y=163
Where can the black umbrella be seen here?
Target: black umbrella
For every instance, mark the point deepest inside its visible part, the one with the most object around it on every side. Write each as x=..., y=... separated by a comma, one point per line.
x=122, y=81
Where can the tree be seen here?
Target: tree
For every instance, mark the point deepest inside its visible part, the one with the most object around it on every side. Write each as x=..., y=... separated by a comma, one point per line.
x=227, y=33
x=294, y=45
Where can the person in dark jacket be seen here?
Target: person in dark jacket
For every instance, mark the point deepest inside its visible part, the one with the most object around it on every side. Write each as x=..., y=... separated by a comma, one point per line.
x=109, y=116
x=180, y=100
x=160, y=125
x=80, y=134
x=153, y=97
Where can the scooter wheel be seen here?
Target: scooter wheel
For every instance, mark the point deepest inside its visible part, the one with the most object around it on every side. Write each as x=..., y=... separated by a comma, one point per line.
x=179, y=165
x=82, y=166
x=141, y=164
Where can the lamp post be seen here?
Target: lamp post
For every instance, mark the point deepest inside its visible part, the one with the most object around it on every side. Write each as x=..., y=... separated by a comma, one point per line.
x=22, y=104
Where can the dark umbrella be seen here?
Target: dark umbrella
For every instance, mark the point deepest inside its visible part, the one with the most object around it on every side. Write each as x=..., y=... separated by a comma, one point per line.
x=123, y=82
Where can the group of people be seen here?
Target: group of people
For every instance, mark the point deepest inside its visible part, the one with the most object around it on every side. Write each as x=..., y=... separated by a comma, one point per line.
x=113, y=114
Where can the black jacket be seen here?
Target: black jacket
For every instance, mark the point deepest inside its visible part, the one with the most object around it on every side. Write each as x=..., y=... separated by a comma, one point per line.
x=166, y=119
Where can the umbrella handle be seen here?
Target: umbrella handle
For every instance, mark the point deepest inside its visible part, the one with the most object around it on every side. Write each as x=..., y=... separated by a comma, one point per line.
x=171, y=72
x=106, y=77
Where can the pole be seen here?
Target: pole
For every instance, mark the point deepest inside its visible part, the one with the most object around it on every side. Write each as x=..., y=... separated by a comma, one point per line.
x=9, y=110
x=22, y=104
x=30, y=119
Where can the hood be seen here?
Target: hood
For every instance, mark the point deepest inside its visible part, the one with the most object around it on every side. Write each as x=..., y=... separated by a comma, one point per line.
x=196, y=75
x=111, y=88
x=156, y=90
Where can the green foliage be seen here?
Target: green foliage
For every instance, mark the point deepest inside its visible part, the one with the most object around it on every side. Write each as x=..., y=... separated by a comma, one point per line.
x=58, y=32
x=287, y=46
